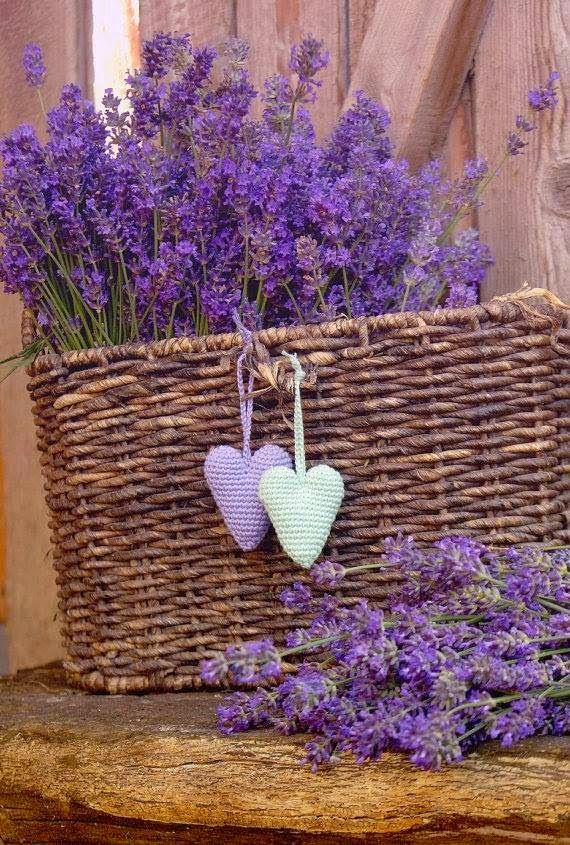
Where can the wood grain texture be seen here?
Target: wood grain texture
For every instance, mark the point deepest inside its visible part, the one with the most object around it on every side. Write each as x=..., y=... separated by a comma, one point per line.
x=415, y=60
x=460, y=144
x=155, y=764
x=207, y=22
x=2, y=544
x=359, y=17
x=115, y=45
x=272, y=26
x=460, y=141
x=526, y=212
x=61, y=27
x=325, y=19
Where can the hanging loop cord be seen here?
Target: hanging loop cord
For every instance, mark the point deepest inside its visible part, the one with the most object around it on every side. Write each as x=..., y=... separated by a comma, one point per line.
x=299, y=375
x=245, y=398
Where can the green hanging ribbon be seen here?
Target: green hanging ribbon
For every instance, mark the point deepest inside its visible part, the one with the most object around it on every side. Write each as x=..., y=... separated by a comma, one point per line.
x=299, y=433
x=302, y=504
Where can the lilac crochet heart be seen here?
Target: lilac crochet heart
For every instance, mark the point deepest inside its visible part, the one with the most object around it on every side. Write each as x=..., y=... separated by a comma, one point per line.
x=234, y=482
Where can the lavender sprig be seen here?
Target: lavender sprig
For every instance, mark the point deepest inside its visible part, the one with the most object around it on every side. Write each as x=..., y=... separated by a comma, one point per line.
x=476, y=646
x=33, y=64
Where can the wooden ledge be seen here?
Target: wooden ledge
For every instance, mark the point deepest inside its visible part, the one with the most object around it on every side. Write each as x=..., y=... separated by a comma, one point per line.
x=80, y=768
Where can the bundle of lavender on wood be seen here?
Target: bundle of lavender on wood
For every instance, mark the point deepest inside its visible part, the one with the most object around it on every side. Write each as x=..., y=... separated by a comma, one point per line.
x=160, y=216
x=476, y=646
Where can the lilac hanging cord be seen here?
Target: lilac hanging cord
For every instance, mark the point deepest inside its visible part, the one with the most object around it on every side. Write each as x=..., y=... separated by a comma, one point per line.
x=245, y=401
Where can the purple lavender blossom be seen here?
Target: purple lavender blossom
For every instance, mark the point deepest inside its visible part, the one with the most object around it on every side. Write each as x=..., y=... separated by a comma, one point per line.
x=475, y=169
x=370, y=734
x=297, y=597
x=168, y=211
x=436, y=741
x=246, y=664
x=214, y=670
x=515, y=144
x=426, y=680
x=309, y=262
x=359, y=134
x=242, y=712
x=327, y=574
x=307, y=59
x=461, y=295
x=544, y=97
x=523, y=124
x=448, y=690
x=318, y=752
x=559, y=716
x=160, y=53
x=531, y=574
x=33, y=64
x=522, y=719
x=254, y=662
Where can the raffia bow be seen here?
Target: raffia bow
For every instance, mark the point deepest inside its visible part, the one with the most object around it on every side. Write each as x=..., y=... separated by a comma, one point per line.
x=521, y=298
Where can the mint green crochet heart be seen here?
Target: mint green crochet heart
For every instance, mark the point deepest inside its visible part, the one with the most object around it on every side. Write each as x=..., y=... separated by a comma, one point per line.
x=302, y=508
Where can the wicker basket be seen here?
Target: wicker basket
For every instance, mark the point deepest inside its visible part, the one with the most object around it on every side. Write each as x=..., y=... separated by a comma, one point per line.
x=453, y=421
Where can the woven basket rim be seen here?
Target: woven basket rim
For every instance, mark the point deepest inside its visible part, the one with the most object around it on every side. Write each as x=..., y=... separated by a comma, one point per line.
x=495, y=310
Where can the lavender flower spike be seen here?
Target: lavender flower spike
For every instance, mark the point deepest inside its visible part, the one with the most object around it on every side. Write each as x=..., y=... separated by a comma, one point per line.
x=33, y=64
x=544, y=97
x=475, y=648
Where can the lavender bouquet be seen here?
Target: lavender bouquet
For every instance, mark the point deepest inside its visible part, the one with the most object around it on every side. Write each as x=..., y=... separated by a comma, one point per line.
x=162, y=215
x=476, y=646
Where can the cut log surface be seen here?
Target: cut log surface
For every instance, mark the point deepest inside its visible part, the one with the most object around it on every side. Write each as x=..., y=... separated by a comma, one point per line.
x=79, y=768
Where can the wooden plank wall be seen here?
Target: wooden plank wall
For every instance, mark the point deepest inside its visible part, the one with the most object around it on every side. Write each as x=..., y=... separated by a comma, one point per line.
x=421, y=81
x=2, y=548
x=60, y=27
x=526, y=215
x=454, y=74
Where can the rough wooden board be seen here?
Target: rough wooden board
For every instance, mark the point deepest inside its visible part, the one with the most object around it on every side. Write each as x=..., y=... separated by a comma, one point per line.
x=207, y=22
x=158, y=760
x=414, y=59
x=3, y=650
x=460, y=145
x=256, y=23
x=526, y=213
x=360, y=14
x=2, y=542
x=115, y=45
x=45, y=822
x=460, y=142
x=272, y=26
x=325, y=20
x=61, y=28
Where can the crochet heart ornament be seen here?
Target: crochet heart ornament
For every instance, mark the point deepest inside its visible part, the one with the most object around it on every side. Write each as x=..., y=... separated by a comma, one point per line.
x=233, y=476
x=302, y=509
x=302, y=505
x=233, y=479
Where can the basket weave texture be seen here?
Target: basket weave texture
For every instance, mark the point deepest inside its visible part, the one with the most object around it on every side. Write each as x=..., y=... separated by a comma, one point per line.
x=449, y=422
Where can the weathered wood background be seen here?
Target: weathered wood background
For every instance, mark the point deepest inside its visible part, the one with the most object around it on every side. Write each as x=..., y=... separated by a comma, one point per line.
x=453, y=73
